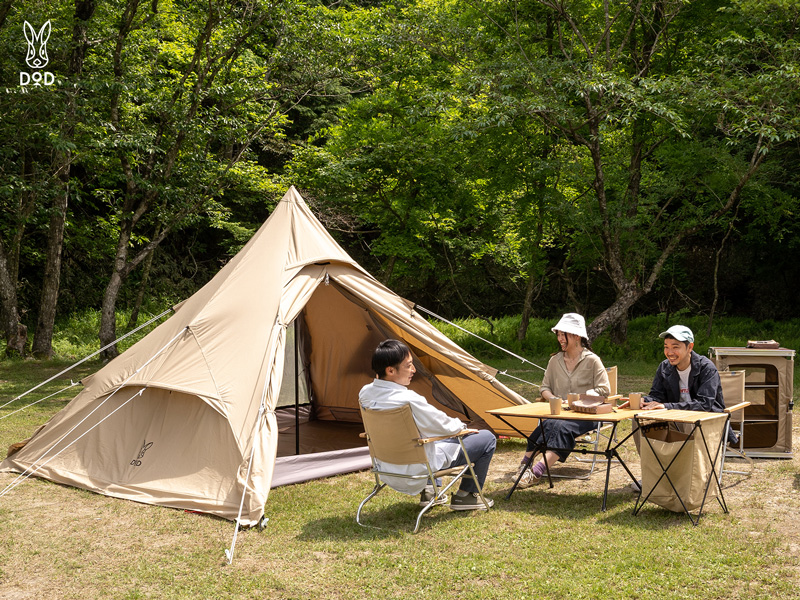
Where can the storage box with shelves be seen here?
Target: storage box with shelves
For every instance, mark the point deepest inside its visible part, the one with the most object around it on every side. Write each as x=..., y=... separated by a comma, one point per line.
x=769, y=388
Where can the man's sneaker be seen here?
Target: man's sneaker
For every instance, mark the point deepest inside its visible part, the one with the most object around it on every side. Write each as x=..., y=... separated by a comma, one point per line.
x=636, y=486
x=528, y=478
x=427, y=495
x=471, y=501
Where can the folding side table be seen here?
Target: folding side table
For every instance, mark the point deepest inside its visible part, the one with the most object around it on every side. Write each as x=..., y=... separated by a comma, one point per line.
x=705, y=439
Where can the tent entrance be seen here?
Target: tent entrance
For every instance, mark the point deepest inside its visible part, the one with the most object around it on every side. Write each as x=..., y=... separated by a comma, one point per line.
x=308, y=447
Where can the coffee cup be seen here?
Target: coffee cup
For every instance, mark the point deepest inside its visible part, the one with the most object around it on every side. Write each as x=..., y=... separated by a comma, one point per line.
x=555, y=406
x=635, y=400
x=572, y=399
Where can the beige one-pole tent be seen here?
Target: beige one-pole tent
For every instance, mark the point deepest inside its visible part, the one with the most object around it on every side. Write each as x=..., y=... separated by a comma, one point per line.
x=190, y=417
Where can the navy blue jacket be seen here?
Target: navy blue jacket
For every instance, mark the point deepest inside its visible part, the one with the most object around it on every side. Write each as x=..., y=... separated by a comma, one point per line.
x=704, y=386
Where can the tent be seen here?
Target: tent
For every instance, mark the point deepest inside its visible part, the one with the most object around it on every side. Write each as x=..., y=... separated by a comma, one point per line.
x=190, y=416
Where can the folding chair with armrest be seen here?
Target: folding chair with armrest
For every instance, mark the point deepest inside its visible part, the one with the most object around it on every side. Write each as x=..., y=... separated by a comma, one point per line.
x=733, y=394
x=393, y=437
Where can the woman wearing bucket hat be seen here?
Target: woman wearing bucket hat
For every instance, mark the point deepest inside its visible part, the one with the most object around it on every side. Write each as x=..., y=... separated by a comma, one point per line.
x=575, y=369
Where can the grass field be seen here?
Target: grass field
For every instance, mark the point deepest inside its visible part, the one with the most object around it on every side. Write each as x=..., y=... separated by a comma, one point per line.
x=60, y=542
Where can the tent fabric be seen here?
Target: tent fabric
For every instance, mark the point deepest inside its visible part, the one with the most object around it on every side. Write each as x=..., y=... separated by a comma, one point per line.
x=186, y=417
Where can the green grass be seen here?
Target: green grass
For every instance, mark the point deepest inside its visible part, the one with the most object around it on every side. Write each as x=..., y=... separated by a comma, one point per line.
x=60, y=542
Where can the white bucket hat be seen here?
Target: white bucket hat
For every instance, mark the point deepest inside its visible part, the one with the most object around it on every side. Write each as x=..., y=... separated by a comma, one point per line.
x=571, y=323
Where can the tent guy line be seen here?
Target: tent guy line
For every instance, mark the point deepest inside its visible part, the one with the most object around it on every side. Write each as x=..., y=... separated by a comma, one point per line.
x=83, y=360
x=435, y=316
x=506, y=374
x=262, y=408
x=261, y=411
x=36, y=467
x=13, y=412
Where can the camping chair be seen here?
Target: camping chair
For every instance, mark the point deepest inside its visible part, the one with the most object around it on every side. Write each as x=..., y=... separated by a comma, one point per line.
x=733, y=393
x=393, y=437
x=592, y=439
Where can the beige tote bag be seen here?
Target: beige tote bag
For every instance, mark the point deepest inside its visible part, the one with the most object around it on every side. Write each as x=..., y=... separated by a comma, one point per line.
x=689, y=472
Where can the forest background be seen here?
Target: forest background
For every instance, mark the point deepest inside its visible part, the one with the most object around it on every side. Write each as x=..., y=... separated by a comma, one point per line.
x=481, y=158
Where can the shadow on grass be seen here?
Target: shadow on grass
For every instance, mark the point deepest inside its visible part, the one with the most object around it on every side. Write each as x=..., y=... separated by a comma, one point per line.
x=396, y=520
x=380, y=522
x=586, y=507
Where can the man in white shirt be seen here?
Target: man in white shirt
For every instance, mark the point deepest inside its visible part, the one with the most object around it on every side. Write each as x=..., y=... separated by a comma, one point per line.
x=393, y=364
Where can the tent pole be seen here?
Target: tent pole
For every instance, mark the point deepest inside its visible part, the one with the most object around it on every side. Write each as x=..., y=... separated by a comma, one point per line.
x=296, y=392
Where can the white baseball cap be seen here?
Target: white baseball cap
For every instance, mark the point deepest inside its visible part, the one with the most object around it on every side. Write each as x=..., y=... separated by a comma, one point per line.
x=680, y=332
x=571, y=323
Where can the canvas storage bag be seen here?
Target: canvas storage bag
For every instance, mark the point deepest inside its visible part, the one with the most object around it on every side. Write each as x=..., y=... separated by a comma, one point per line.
x=689, y=472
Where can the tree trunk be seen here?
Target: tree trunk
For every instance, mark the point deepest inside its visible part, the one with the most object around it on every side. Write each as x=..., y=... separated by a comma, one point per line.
x=108, y=321
x=527, y=307
x=148, y=262
x=15, y=343
x=43, y=338
x=717, y=257
x=615, y=313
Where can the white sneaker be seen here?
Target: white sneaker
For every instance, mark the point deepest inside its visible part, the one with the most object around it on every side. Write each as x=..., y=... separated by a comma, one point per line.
x=527, y=479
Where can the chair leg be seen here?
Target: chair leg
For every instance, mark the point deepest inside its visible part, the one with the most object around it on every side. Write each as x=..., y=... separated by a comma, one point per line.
x=378, y=487
x=735, y=453
x=439, y=494
x=594, y=445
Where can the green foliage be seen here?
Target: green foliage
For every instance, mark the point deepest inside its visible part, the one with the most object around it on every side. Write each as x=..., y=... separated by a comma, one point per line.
x=75, y=337
x=467, y=154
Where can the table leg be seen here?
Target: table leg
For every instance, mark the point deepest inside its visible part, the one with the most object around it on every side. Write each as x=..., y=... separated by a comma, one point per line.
x=527, y=462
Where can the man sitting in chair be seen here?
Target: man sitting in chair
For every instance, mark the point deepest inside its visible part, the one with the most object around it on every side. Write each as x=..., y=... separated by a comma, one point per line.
x=394, y=367
x=684, y=380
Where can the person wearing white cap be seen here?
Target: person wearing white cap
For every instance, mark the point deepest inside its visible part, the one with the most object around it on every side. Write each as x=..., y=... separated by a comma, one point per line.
x=684, y=379
x=574, y=369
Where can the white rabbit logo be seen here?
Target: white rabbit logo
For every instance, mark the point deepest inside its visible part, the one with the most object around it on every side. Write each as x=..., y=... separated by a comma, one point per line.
x=37, y=57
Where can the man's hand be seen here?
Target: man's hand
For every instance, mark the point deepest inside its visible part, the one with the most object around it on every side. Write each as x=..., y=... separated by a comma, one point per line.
x=652, y=405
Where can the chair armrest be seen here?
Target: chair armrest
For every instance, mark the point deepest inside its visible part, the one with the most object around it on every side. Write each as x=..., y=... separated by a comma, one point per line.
x=439, y=438
x=736, y=407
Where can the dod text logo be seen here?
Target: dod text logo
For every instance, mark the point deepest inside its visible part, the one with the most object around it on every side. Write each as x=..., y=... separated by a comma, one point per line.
x=137, y=462
x=36, y=57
